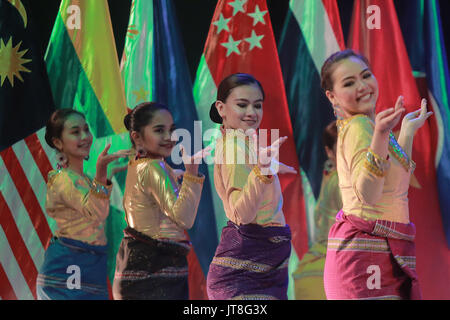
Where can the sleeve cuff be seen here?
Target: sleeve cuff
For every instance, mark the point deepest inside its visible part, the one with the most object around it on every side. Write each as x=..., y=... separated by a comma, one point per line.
x=101, y=190
x=263, y=178
x=197, y=179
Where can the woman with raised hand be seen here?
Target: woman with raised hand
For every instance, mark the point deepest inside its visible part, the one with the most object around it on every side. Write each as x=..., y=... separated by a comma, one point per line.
x=251, y=261
x=75, y=261
x=151, y=262
x=371, y=250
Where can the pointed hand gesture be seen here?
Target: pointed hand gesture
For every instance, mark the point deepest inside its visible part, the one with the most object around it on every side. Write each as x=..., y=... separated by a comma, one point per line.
x=266, y=154
x=415, y=120
x=387, y=119
x=191, y=163
x=103, y=160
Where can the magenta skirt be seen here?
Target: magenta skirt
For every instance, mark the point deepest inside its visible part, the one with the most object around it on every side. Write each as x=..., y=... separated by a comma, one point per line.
x=370, y=260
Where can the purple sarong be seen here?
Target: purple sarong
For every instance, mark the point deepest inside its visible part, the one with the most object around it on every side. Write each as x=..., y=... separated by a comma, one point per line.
x=251, y=263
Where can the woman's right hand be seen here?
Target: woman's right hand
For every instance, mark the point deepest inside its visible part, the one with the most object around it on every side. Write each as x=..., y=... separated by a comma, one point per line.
x=190, y=162
x=103, y=160
x=387, y=119
x=265, y=155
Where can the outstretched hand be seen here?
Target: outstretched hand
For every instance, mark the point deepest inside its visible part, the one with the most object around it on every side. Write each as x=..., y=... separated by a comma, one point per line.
x=266, y=154
x=415, y=120
x=104, y=159
x=387, y=119
x=191, y=163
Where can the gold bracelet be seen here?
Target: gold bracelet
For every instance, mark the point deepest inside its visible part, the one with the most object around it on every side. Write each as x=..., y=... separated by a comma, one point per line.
x=191, y=177
x=375, y=164
x=99, y=189
x=263, y=178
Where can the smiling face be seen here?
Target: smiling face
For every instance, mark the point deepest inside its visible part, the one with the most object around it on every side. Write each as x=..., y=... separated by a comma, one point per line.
x=243, y=108
x=155, y=136
x=355, y=88
x=76, y=138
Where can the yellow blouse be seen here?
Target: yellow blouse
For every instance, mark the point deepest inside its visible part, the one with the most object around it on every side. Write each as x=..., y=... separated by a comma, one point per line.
x=79, y=206
x=156, y=204
x=247, y=195
x=328, y=205
x=371, y=189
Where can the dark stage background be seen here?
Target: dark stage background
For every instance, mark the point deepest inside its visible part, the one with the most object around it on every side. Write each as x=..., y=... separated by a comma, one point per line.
x=194, y=18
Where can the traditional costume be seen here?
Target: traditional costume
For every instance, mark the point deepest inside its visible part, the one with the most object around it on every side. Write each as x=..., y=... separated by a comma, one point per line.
x=251, y=261
x=75, y=261
x=151, y=262
x=371, y=251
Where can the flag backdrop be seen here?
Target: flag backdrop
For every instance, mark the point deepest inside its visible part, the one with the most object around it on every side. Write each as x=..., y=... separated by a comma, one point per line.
x=154, y=68
x=385, y=49
x=422, y=28
x=83, y=69
x=240, y=39
x=438, y=81
x=25, y=105
x=312, y=32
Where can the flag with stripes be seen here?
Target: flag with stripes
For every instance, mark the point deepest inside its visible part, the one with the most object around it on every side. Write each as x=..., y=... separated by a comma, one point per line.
x=26, y=103
x=154, y=68
x=422, y=30
x=241, y=39
x=376, y=33
x=421, y=24
x=83, y=69
x=311, y=33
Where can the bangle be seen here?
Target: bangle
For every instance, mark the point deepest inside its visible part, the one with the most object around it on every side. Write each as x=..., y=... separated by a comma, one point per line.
x=99, y=189
x=375, y=164
x=191, y=177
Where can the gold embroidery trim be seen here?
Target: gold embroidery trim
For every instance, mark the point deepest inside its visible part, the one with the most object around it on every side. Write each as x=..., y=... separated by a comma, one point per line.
x=261, y=177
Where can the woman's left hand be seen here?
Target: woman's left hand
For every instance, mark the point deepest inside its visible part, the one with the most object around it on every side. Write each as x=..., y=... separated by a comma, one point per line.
x=283, y=168
x=415, y=120
x=191, y=163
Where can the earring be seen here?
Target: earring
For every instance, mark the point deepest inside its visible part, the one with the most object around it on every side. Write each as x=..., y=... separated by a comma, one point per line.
x=62, y=160
x=86, y=158
x=337, y=112
x=140, y=152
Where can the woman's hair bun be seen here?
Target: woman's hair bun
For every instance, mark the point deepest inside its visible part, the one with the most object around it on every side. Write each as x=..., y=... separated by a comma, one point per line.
x=127, y=121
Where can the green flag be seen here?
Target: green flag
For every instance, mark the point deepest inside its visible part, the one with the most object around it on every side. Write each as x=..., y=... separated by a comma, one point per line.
x=84, y=74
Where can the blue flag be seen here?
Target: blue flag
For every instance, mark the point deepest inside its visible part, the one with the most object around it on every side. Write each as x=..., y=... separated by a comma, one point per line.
x=422, y=28
x=154, y=68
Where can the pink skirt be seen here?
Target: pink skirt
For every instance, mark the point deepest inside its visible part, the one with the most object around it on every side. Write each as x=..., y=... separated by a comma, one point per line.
x=370, y=260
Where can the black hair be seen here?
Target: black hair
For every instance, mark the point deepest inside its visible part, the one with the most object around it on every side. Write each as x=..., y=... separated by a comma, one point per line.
x=141, y=116
x=327, y=68
x=330, y=135
x=225, y=87
x=55, y=125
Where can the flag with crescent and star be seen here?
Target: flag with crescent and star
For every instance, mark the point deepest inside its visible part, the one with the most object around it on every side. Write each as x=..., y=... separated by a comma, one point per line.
x=25, y=105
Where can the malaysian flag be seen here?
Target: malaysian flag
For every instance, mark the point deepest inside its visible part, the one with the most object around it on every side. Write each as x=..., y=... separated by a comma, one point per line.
x=25, y=159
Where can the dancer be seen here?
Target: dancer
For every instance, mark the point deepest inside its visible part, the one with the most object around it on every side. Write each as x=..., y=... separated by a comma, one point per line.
x=309, y=275
x=75, y=261
x=151, y=262
x=371, y=250
x=251, y=261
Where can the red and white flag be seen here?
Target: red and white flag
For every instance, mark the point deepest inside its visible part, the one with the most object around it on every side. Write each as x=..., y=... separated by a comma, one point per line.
x=24, y=229
x=376, y=33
